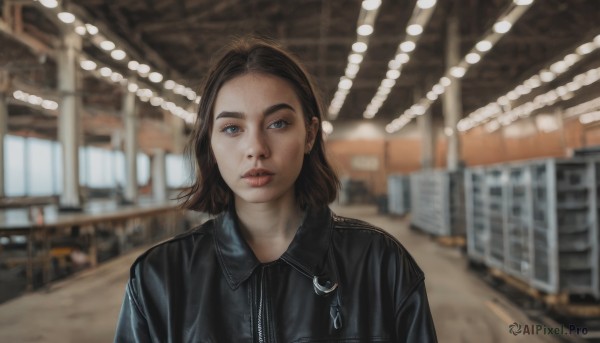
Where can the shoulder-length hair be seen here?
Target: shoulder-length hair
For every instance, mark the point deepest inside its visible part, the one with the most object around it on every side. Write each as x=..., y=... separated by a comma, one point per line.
x=317, y=185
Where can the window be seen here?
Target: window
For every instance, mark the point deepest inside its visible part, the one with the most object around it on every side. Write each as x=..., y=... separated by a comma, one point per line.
x=14, y=165
x=57, y=167
x=177, y=171
x=40, y=181
x=119, y=159
x=100, y=168
x=143, y=169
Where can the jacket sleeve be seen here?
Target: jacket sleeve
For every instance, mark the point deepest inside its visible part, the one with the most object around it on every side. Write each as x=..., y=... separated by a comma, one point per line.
x=413, y=317
x=132, y=325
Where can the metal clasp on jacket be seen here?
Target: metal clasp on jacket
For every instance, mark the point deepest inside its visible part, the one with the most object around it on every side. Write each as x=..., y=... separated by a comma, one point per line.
x=325, y=288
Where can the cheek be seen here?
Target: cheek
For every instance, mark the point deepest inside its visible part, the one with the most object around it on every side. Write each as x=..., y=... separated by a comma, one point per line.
x=293, y=152
x=218, y=152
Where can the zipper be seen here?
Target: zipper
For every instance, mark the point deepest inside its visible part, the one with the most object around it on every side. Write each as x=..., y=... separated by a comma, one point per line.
x=262, y=321
x=259, y=321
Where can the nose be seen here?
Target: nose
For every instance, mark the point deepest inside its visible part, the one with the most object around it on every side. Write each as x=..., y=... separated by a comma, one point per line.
x=257, y=146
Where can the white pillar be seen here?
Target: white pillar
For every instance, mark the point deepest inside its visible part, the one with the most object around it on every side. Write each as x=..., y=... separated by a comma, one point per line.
x=159, y=175
x=178, y=126
x=452, y=97
x=425, y=125
x=68, y=122
x=130, y=123
x=3, y=131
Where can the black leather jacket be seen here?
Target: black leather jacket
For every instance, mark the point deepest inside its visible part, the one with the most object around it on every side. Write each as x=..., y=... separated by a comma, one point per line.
x=340, y=280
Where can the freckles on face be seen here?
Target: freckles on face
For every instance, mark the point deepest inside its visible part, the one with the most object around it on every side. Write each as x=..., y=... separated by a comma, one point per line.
x=259, y=137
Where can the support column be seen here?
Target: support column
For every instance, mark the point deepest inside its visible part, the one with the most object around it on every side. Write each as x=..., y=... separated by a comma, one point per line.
x=425, y=125
x=3, y=131
x=452, y=97
x=68, y=122
x=130, y=123
x=159, y=175
x=177, y=125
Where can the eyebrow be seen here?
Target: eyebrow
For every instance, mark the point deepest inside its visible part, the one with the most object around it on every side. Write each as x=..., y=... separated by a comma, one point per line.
x=270, y=110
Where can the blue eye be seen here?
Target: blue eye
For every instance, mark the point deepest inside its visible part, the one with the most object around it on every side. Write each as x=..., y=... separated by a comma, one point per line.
x=231, y=129
x=279, y=124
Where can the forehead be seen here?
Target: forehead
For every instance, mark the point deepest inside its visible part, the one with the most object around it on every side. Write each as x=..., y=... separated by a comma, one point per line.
x=255, y=91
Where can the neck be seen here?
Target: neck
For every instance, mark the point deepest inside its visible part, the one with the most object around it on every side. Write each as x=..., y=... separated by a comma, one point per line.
x=269, y=228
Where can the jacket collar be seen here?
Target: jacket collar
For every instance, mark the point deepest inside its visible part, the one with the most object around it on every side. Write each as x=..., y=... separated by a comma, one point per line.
x=307, y=251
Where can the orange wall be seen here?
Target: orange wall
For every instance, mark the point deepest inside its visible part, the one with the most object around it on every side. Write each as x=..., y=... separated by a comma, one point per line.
x=341, y=153
x=403, y=155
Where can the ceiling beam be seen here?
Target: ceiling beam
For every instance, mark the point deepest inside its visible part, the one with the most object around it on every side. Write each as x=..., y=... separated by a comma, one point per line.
x=148, y=54
x=195, y=17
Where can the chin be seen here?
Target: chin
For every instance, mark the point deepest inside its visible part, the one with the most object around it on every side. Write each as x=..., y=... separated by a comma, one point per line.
x=260, y=196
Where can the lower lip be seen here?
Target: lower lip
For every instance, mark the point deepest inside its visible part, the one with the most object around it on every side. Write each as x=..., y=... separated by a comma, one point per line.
x=258, y=181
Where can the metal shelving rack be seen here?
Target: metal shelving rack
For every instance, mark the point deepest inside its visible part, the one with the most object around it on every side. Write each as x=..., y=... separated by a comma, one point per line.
x=577, y=226
x=457, y=203
x=519, y=230
x=475, y=214
x=538, y=221
x=429, y=194
x=398, y=194
x=544, y=260
x=437, y=199
x=495, y=195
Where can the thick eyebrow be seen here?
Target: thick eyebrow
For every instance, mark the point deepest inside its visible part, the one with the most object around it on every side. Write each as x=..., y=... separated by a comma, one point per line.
x=270, y=110
x=278, y=107
x=228, y=114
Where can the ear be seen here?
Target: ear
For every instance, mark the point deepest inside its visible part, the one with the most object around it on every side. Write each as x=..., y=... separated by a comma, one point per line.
x=311, y=134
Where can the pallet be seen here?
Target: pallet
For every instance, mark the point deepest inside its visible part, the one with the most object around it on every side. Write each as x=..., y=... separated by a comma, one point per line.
x=451, y=241
x=559, y=303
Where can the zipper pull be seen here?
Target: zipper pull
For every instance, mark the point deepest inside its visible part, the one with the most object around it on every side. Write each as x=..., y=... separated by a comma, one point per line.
x=336, y=316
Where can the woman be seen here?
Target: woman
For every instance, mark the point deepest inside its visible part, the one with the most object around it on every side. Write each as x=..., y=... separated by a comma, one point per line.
x=275, y=264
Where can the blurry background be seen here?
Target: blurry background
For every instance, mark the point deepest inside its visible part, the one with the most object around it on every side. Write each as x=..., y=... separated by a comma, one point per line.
x=473, y=122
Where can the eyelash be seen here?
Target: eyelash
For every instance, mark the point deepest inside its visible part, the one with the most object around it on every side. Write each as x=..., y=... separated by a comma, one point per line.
x=226, y=128
x=285, y=122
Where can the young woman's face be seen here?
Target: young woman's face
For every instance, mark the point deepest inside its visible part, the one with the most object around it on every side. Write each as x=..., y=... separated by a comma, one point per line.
x=259, y=137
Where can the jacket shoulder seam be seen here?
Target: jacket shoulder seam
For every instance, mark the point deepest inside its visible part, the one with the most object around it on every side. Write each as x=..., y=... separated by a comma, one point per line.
x=344, y=223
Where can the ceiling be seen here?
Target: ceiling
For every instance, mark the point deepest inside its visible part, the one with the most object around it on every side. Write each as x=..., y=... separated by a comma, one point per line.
x=179, y=37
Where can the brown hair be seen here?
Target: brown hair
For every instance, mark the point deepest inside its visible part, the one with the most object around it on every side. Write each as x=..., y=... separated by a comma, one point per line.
x=317, y=185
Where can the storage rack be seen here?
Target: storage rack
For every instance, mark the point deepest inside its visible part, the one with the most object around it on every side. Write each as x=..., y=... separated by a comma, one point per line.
x=457, y=203
x=475, y=213
x=541, y=222
x=437, y=199
x=398, y=194
x=544, y=276
x=495, y=193
x=519, y=221
x=576, y=223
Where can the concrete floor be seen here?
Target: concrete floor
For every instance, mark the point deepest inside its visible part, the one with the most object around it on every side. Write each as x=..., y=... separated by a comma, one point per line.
x=85, y=307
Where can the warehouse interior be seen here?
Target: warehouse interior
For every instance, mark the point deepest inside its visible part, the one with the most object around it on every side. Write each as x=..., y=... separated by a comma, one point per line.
x=468, y=129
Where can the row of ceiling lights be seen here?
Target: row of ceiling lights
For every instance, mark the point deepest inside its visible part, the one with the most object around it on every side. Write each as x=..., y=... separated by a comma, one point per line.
x=418, y=20
x=583, y=108
x=365, y=28
x=502, y=105
x=35, y=100
x=499, y=29
x=144, y=94
x=142, y=69
x=563, y=92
